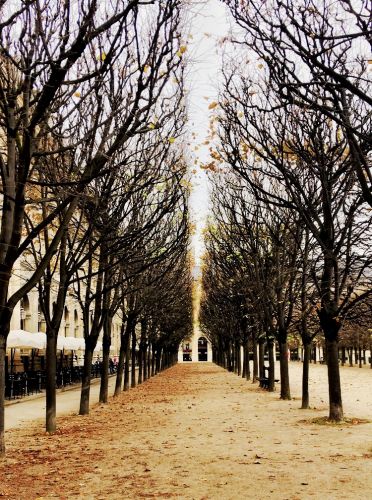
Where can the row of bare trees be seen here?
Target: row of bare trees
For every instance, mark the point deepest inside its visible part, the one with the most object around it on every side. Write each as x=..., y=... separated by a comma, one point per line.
x=293, y=229
x=93, y=190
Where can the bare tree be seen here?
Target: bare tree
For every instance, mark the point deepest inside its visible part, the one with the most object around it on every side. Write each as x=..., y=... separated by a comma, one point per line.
x=57, y=63
x=308, y=157
x=310, y=45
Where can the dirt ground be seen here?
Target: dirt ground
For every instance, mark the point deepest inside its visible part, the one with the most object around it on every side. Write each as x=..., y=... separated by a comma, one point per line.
x=198, y=432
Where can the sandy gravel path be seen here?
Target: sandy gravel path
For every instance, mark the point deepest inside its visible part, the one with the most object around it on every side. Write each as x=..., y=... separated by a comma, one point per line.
x=22, y=411
x=198, y=432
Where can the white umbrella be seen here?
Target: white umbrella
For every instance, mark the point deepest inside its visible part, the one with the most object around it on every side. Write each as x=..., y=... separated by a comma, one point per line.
x=21, y=338
x=59, y=340
x=73, y=343
x=60, y=343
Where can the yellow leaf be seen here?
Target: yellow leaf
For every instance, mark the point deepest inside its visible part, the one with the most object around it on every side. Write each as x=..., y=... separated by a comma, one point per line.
x=260, y=66
x=102, y=56
x=181, y=50
x=151, y=126
x=146, y=68
x=213, y=105
x=77, y=94
x=171, y=140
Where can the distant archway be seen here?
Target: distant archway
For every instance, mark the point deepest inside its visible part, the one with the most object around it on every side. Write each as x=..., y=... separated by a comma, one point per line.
x=187, y=351
x=202, y=349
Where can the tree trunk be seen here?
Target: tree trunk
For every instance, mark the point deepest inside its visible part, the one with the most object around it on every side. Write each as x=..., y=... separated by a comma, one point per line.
x=285, y=392
x=145, y=362
x=245, y=353
x=140, y=364
x=103, y=390
x=162, y=360
x=133, y=374
x=120, y=371
x=271, y=347
x=85, y=382
x=148, y=361
x=165, y=360
x=334, y=383
x=124, y=337
x=248, y=363
x=53, y=327
x=158, y=360
x=229, y=360
x=127, y=363
x=255, y=358
x=2, y=393
x=50, y=382
x=305, y=376
x=152, y=360
x=142, y=353
x=261, y=358
x=350, y=353
x=239, y=359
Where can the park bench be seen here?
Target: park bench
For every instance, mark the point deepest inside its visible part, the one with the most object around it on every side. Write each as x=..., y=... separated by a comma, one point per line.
x=264, y=381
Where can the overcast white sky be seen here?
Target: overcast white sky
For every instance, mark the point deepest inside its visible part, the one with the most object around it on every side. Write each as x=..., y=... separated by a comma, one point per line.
x=209, y=25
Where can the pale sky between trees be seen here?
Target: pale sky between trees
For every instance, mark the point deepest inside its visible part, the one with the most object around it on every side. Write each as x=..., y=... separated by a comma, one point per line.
x=208, y=26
